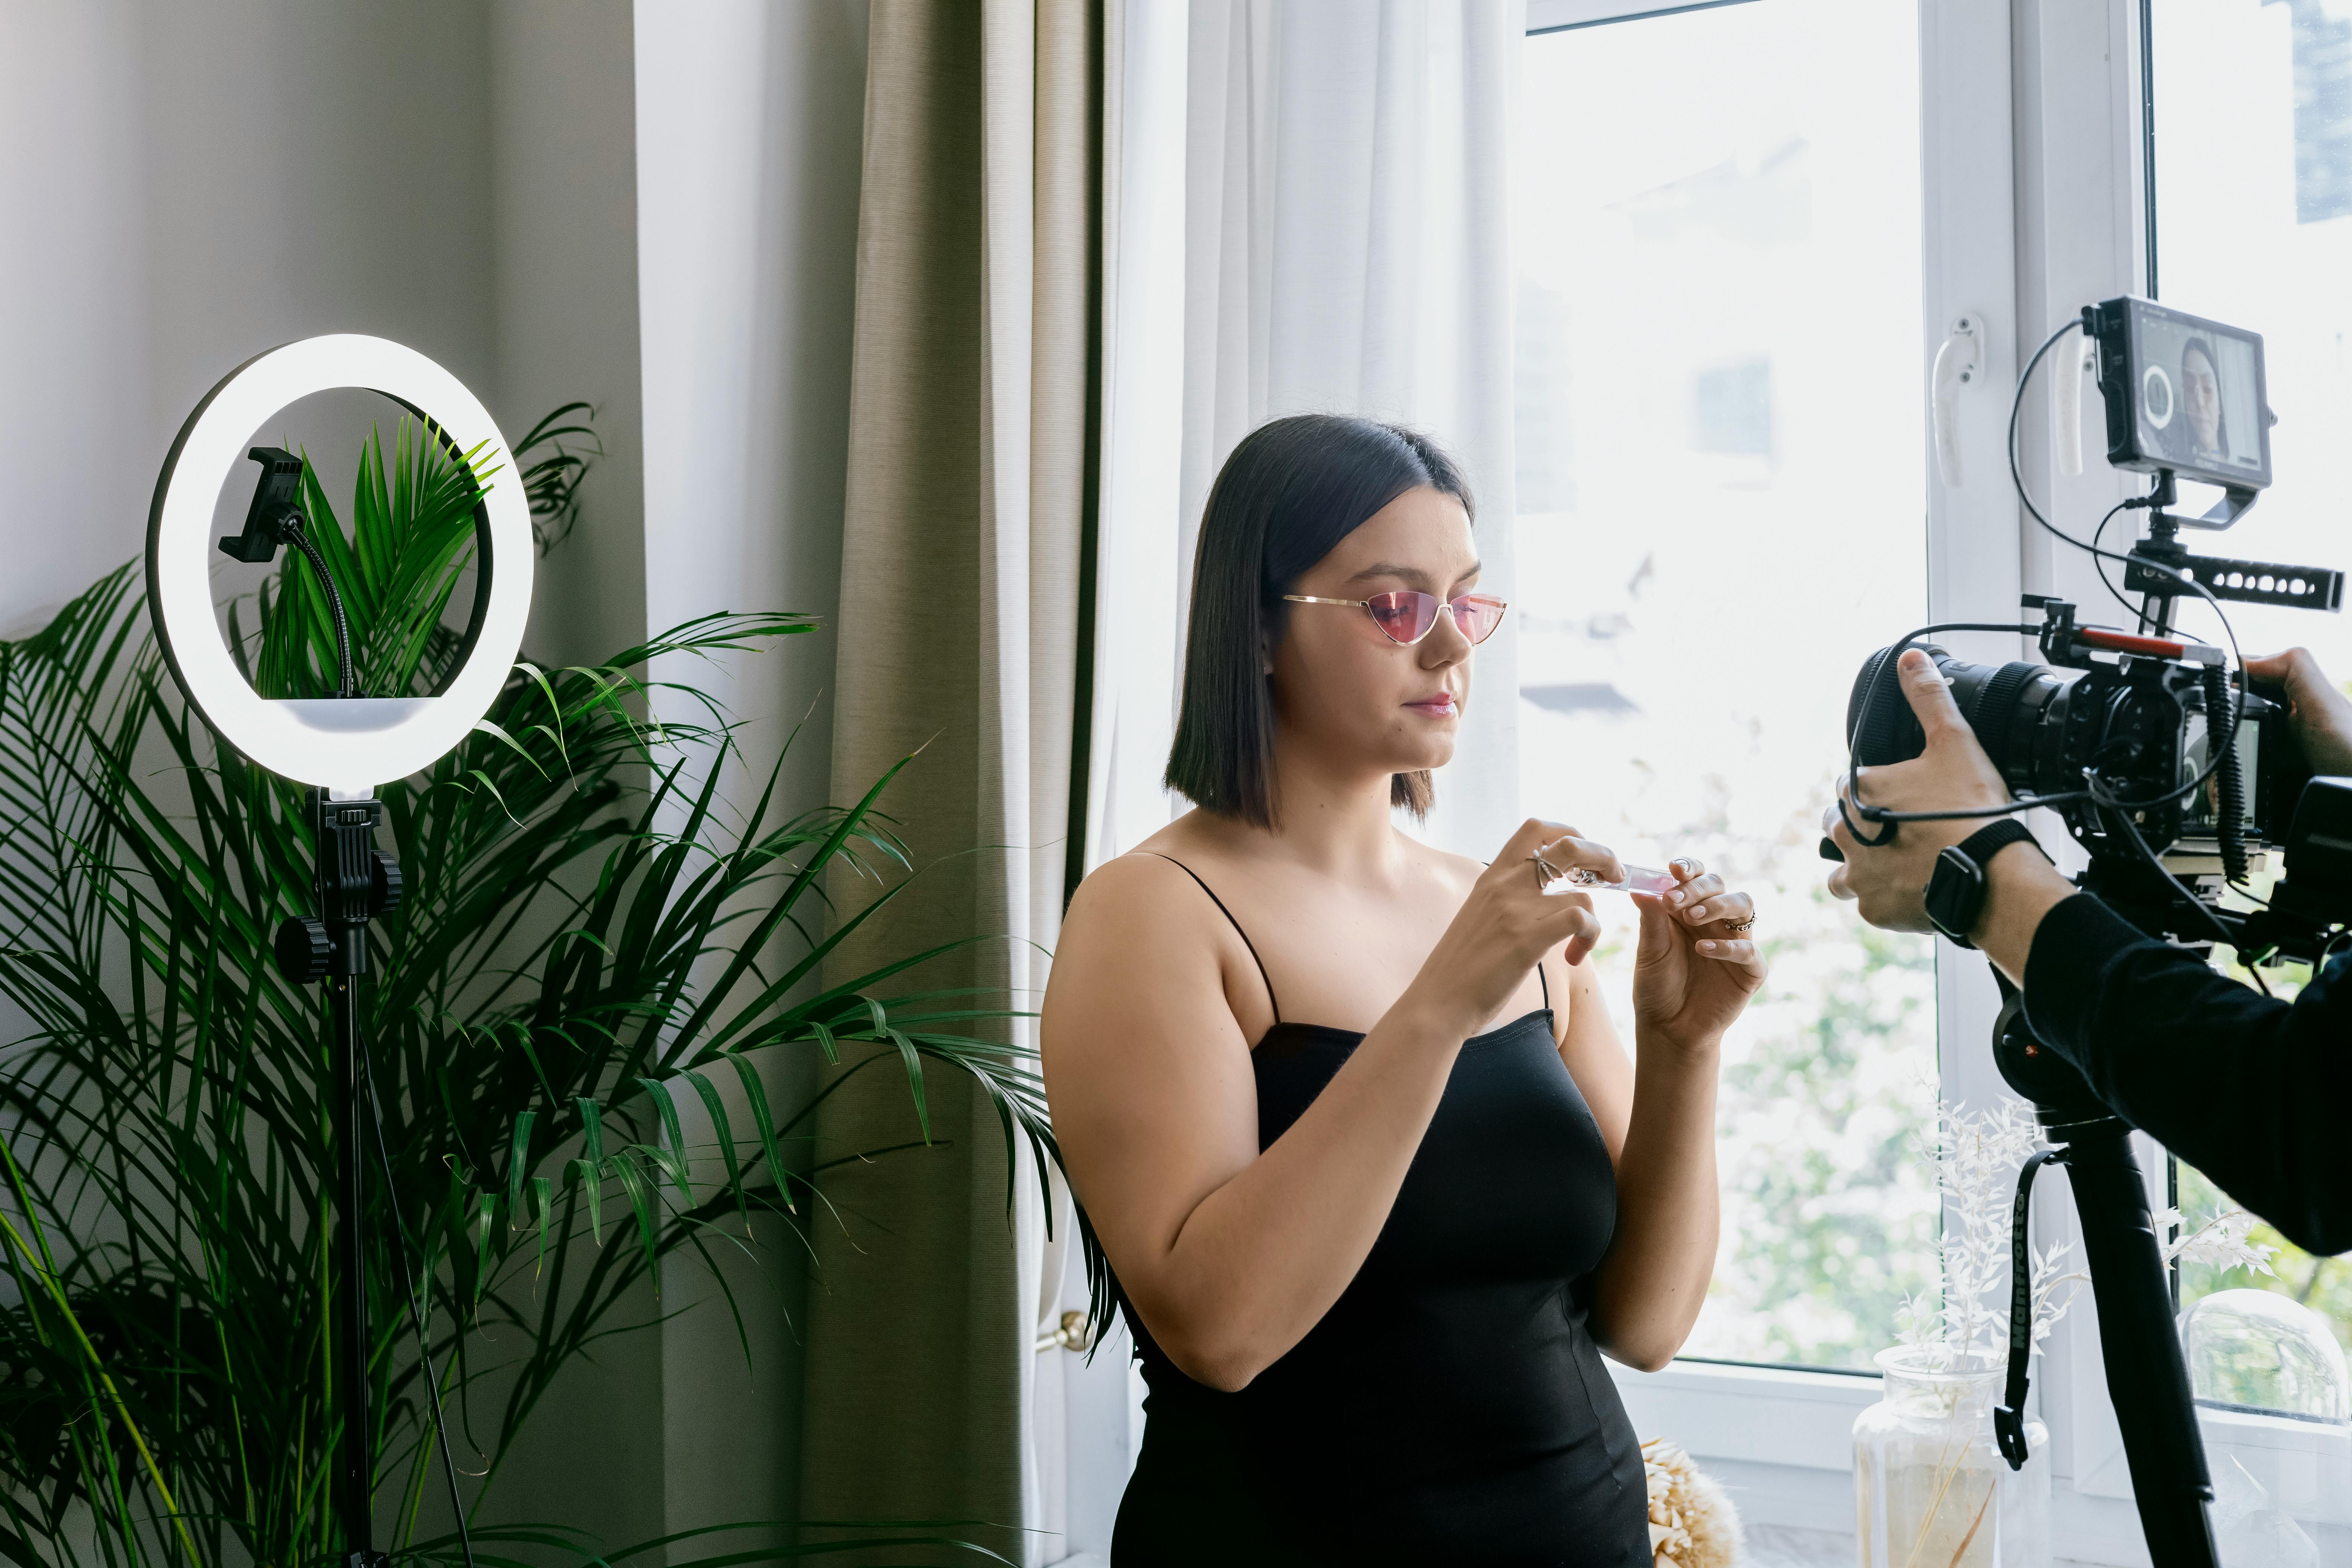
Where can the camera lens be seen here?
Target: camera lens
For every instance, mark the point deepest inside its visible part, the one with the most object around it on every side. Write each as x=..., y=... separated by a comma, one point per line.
x=2017, y=710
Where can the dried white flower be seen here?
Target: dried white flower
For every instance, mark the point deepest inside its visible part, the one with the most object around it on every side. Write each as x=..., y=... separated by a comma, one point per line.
x=1976, y=1158
x=2220, y=1241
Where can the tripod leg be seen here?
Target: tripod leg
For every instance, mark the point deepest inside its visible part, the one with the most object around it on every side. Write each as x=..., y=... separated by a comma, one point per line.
x=354, y=1483
x=2146, y=1375
x=334, y=948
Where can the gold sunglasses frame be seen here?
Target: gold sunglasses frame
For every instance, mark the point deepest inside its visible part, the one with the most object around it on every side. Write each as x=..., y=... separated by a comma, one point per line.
x=1445, y=606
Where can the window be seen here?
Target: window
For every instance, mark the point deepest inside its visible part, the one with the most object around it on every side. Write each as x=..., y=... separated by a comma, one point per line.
x=2254, y=204
x=2021, y=129
x=1720, y=461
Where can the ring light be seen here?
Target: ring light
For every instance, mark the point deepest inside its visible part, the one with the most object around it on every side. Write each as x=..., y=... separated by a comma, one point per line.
x=348, y=744
x=2155, y=387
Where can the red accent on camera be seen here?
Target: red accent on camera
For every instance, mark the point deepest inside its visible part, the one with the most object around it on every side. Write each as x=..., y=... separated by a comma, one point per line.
x=2124, y=642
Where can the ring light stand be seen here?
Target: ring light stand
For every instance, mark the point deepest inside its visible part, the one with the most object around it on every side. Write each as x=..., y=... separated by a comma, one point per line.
x=342, y=746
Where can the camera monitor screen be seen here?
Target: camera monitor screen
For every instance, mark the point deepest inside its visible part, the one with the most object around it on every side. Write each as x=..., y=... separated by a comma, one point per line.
x=2183, y=393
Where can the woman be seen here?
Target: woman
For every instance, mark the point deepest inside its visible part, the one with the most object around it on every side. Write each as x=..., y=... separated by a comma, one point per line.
x=1347, y=1113
x=2200, y=403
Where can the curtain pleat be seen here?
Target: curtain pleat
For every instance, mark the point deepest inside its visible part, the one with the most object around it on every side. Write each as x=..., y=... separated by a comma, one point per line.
x=963, y=541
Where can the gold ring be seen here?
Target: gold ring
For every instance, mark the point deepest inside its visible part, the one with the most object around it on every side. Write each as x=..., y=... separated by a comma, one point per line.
x=1742, y=929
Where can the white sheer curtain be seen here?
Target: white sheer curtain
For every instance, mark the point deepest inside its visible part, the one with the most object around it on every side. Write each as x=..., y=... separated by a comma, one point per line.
x=1305, y=208
x=1346, y=248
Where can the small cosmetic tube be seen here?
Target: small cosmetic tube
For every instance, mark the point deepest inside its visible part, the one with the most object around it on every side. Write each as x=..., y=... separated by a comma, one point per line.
x=1638, y=879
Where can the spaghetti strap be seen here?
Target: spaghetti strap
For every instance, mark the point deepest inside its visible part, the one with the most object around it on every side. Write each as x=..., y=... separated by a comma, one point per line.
x=1235, y=923
x=1546, y=984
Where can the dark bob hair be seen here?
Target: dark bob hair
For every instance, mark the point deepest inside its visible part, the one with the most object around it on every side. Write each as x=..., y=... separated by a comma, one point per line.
x=1287, y=496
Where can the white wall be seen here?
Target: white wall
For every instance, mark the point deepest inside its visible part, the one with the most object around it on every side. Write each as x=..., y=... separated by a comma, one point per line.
x=73, y=301
x=186, y=186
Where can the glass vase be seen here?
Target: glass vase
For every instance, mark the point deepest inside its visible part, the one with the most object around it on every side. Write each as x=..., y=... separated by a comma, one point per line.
x=1930, y=1484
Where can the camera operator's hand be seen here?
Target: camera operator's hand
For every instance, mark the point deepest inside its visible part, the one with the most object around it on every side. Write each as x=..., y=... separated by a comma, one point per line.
x=2321, y=713
x=1890, y=882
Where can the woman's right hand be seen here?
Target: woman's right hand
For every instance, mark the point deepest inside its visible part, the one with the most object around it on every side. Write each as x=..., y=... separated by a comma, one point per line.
x=1508, y=923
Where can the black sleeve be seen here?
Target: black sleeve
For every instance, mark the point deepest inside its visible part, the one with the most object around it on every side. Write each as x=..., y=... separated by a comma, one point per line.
x=2254, y=1092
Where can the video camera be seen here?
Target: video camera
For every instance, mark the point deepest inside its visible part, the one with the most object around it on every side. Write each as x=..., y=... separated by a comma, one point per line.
x=2162, y=763
x=2173, y=775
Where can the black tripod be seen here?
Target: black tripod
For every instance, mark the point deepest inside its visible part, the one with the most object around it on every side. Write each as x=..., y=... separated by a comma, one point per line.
x=354, y=882
x=2146, y=1377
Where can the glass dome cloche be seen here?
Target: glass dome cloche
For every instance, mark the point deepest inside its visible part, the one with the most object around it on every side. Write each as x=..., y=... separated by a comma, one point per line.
x=2261, y=1350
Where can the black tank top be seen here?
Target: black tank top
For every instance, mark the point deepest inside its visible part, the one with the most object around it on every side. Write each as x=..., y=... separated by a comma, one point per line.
x=1451, y=1406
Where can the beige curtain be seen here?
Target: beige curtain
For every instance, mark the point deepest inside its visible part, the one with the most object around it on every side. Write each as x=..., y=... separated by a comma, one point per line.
x=959, y=630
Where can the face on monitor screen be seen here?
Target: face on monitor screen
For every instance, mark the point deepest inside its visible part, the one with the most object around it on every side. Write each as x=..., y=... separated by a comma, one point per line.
x=2200, y=395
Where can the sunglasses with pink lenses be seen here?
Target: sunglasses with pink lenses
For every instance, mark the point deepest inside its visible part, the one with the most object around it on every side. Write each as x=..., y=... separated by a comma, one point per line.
x=1407, y=617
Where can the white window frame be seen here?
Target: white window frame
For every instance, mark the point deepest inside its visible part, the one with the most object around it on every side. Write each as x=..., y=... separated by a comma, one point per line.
x=1783, y=1435
x=2032, y=205
x=2082, y=198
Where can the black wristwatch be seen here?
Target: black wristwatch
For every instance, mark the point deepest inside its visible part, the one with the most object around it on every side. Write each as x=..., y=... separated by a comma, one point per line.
x=1956, y=893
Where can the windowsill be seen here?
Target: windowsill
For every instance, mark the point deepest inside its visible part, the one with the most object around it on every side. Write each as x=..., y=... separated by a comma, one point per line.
x=2305, y=1465
x=1773, y=1432
x=1762, y=1415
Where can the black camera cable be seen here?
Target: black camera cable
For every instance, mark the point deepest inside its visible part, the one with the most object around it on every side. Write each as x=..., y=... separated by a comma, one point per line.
x=1879, y=813
x=2225, y=753
x=2017, y=477
x=2221, y=933
x=2122, y=810
x=2099, y=565
x=2092, y=791
x=2091, y=548
x=2133, y=503
x=2017, y=474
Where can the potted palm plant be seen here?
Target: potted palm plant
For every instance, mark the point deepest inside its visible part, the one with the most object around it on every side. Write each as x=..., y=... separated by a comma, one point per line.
x=590, y=941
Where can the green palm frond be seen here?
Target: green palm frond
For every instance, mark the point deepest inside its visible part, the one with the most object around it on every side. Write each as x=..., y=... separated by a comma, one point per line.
x=560, y=448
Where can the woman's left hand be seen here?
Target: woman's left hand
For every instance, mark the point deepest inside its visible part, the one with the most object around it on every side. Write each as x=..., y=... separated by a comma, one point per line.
x=1694, y=972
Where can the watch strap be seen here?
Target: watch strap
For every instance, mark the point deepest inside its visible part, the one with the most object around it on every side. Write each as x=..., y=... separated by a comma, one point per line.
x=1956, y=891
x=1986, y=842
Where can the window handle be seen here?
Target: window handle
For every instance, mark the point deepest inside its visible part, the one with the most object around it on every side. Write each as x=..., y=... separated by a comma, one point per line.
x=1956, y=367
